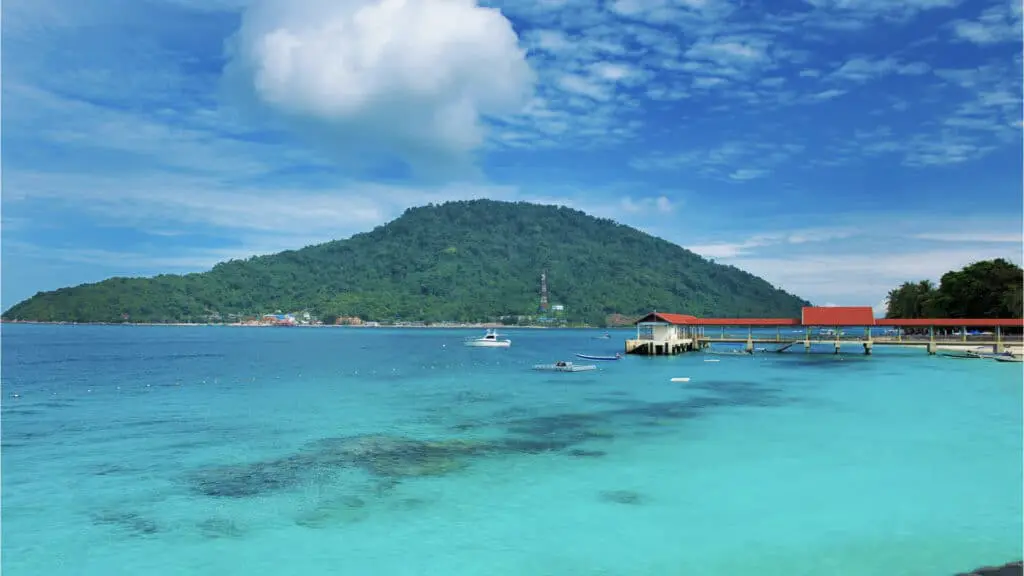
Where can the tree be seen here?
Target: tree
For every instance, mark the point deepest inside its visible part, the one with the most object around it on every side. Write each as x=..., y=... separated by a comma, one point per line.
x=987, y=289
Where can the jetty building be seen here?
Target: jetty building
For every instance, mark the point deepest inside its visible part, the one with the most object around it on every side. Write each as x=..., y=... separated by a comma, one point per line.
x=660, y=333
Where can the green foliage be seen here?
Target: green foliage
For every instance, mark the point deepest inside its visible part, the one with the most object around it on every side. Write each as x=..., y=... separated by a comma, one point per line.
x=461, y=261
x=987, y=289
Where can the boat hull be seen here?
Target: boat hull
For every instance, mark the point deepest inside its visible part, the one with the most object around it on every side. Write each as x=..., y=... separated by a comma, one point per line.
x=566, y=368
x=601, y=358
x=496, y=344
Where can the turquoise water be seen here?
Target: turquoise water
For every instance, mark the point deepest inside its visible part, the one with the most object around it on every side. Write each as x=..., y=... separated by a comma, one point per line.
x=221, y=450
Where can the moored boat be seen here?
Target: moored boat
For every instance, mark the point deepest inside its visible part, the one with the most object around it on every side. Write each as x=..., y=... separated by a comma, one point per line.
x=489, y=340
x=562, y=366
x=617, y=356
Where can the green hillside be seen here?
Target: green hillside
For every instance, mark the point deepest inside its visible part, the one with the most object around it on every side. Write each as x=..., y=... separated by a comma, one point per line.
x=463, y=261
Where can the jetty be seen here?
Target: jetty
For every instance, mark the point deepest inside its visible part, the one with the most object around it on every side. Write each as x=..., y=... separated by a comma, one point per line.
x=666, y=334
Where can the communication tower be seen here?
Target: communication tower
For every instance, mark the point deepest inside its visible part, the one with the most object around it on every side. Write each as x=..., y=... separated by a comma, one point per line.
x=544, y=291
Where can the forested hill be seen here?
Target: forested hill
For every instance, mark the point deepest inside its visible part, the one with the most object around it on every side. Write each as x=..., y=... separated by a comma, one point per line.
x=465, y=261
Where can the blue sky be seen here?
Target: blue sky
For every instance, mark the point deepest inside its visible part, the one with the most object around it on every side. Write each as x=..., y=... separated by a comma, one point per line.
x=834, y=147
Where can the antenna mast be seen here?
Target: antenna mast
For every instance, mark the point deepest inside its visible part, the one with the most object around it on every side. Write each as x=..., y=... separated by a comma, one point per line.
x=544, y=291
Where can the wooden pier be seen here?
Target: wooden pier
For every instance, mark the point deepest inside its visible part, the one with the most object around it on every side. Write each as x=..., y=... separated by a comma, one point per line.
x=661, y=334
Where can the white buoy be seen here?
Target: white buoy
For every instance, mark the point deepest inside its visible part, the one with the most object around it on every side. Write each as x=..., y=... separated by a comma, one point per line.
x=680, y=379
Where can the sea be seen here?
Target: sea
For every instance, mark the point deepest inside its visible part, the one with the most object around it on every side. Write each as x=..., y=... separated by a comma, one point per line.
x=374, y=451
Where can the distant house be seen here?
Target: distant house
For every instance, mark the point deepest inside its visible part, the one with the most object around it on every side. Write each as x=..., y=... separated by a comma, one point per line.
x=280, y=319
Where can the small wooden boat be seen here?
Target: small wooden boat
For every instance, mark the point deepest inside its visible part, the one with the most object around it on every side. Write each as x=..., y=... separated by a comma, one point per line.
x=603, y=358
x=1007, y=358
x=561, y=366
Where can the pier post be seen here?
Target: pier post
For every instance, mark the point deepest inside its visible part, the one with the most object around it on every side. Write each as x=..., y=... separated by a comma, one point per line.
x=999, y=341
x=750, y=340
x=867, y=347
x=807, y=339
x=778, y=333
x=932, y=348
x=963, y=333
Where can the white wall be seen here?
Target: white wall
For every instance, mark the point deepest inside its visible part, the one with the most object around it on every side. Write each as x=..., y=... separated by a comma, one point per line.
x=665, y=332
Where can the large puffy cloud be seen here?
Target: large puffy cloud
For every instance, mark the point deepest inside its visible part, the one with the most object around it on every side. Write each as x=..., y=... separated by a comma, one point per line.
x=408, y=78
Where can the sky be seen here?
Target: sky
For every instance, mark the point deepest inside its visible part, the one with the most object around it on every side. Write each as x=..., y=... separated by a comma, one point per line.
x=836, y=148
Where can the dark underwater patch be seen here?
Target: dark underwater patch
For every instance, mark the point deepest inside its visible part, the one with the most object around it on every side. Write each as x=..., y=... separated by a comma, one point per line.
x=621, y=497
x=21, y=412
x=215, y=528
x=344, y=509
x=1008, y=569
x=580, y=453
x=130, y=523
x=388, y=460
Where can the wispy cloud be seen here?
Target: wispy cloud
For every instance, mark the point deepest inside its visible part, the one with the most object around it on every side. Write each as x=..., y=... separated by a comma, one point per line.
x=999, y=23
x=735, y=160
x=862, y=258
x=862, y=69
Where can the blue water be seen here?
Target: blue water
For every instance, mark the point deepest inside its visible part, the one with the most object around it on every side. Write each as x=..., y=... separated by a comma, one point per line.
x=222, y=450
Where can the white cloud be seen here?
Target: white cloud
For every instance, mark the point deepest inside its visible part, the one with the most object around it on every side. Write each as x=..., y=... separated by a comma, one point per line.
x=748, y=174
x=584, y=86
x=646, y=205
x=727, y=250
x=827, y=95
x=862, y=69
x=409, y=77
x=856, y=279
x=864, y=257
x=974, y=237
x=157, y=201
x=735, y=161
x=730, y=51
x=881, y=308
x=863, y=11
x=1000, y=23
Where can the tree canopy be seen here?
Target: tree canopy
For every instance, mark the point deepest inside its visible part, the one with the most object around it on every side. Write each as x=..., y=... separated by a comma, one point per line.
x=987, y=289
x=461, y=261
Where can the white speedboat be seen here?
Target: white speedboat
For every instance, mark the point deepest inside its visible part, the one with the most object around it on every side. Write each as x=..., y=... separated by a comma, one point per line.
x=489, y=340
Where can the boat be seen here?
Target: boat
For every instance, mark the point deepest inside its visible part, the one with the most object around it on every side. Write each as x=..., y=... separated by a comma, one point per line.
x=489, y=340
x=964, y=356
x=562, y=366
x=727, y=352
x=605, y=336
x=1008, y=358
x=603, y=358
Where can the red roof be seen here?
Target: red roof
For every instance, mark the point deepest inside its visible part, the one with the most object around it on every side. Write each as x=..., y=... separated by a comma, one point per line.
x=837, y=316
x=748, y=321
x=952, y=322
x=831, y=316
x=668, y=318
